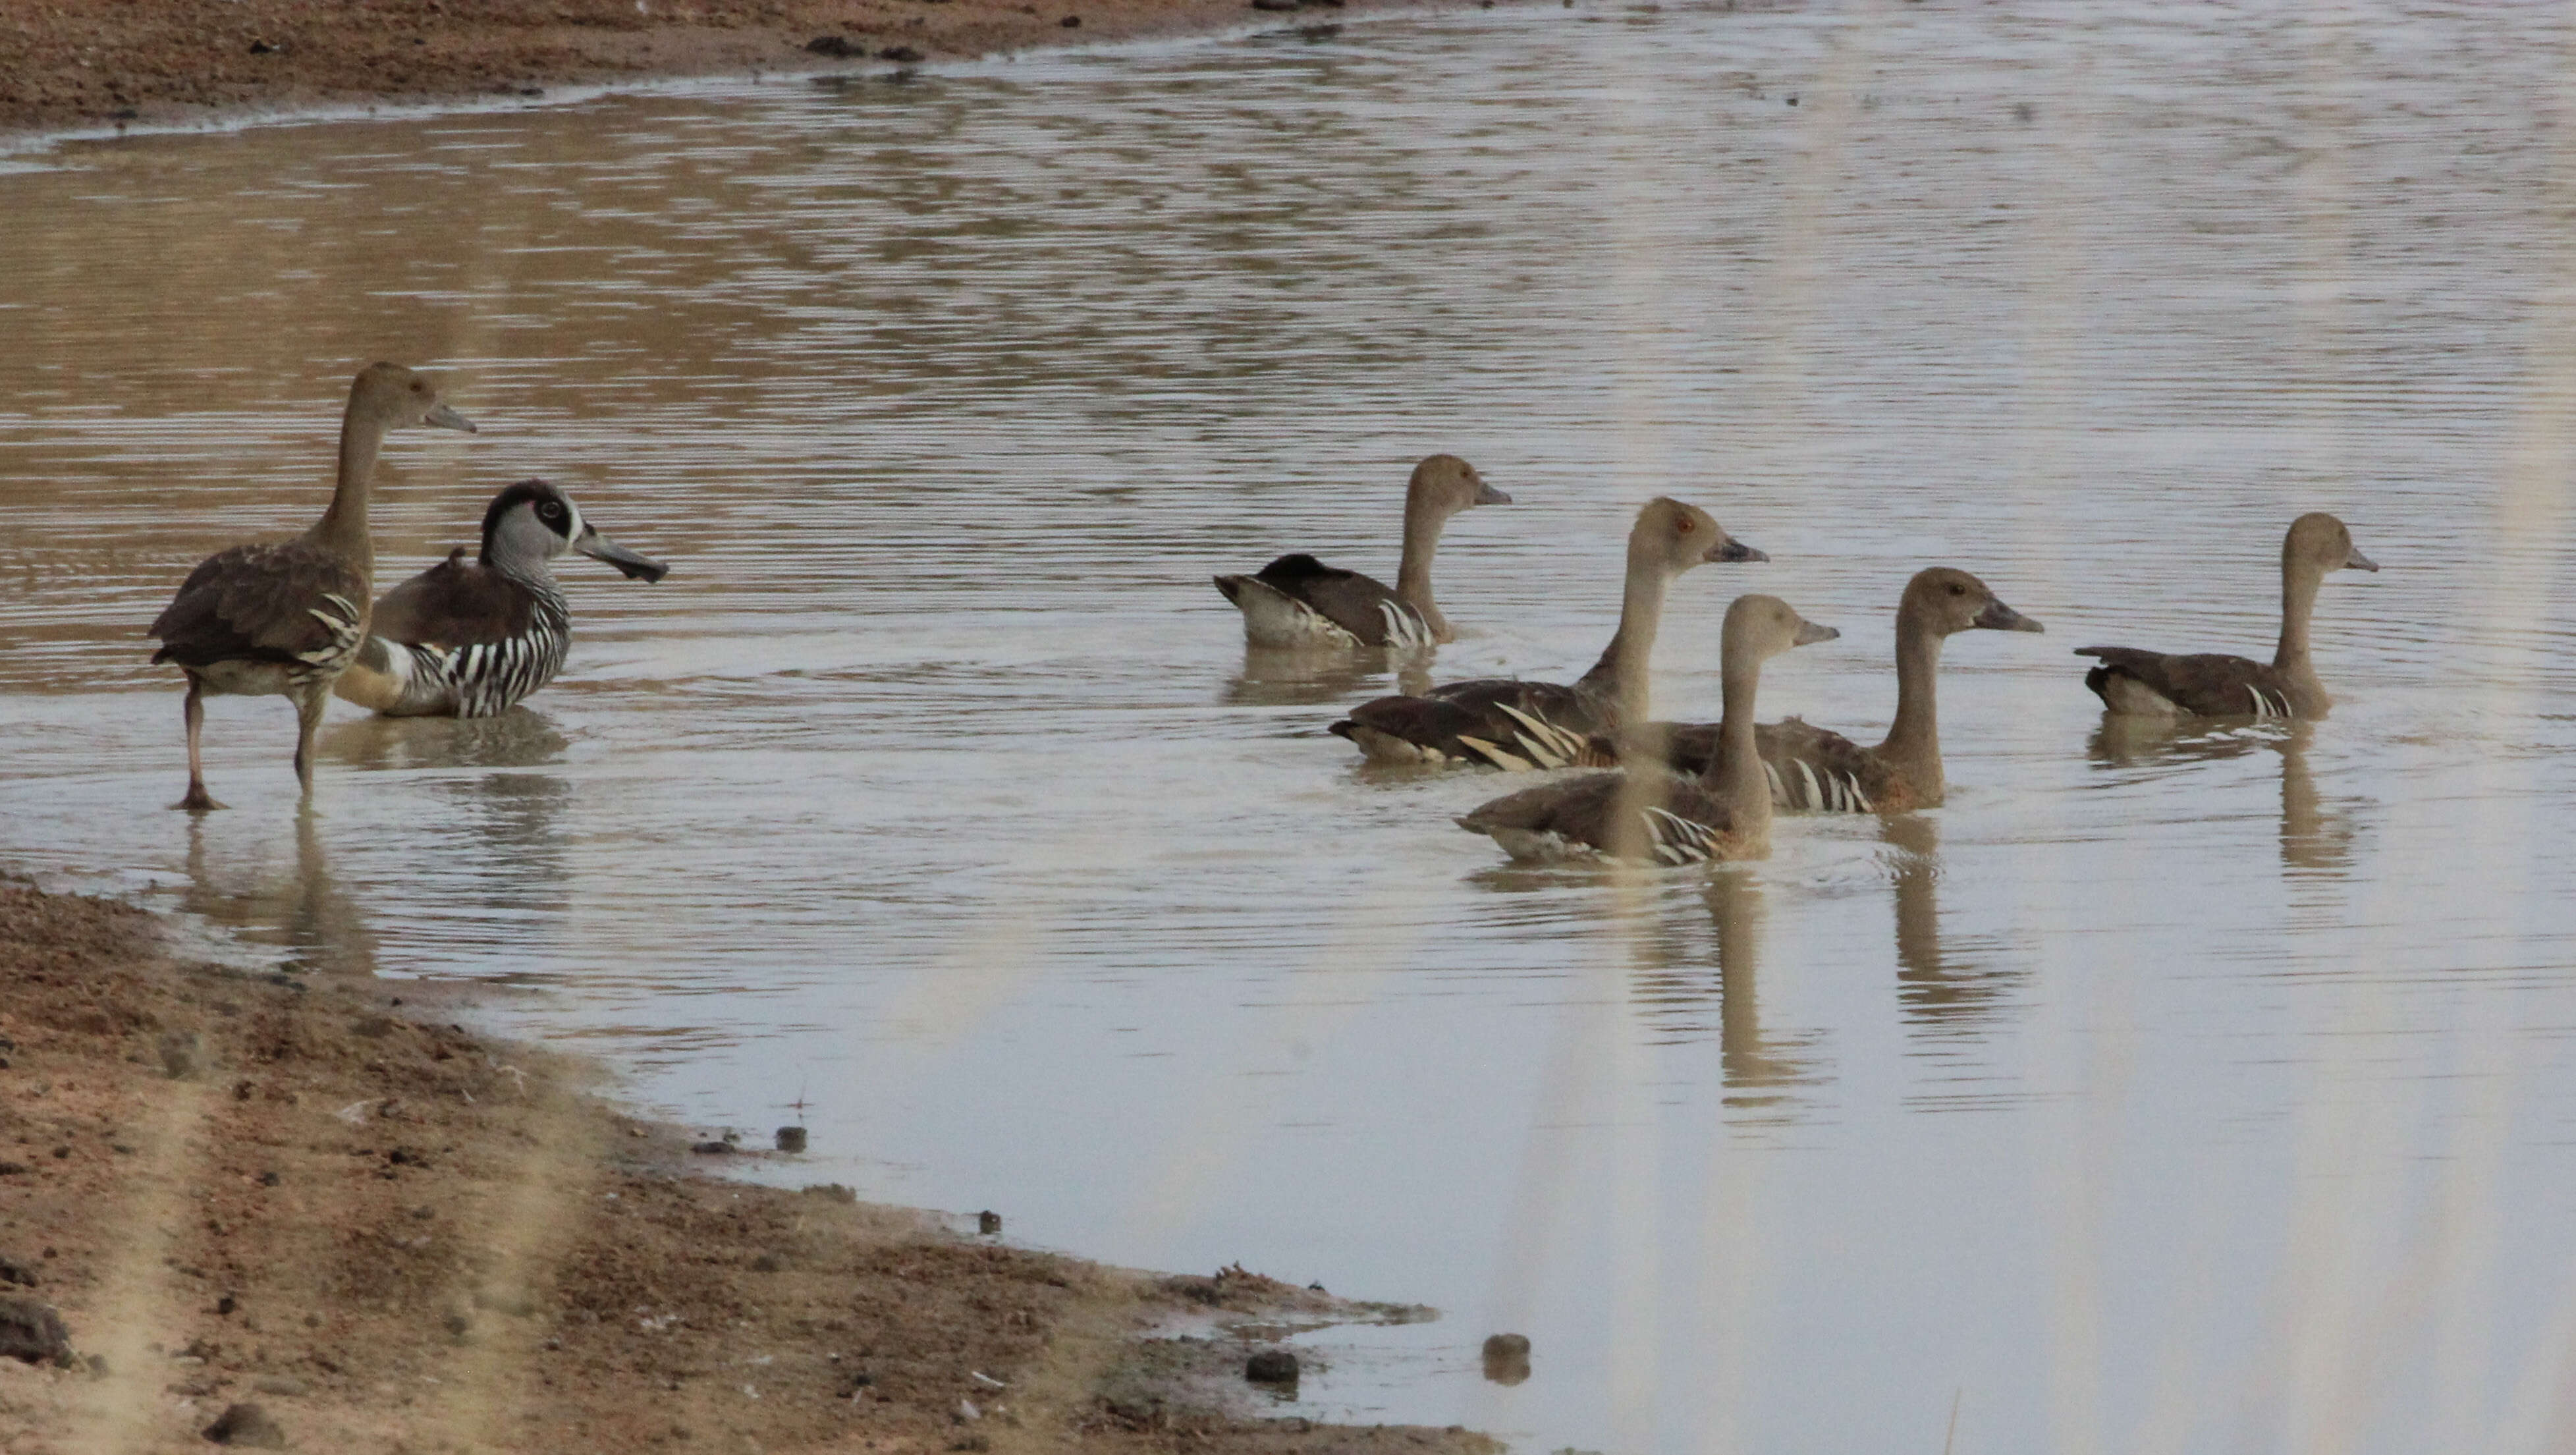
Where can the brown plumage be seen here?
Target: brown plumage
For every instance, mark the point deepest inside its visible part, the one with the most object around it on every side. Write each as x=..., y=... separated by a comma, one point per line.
x=287, y=618
x=1515, y=725
x=2157, y=684
x=1814, y=768
x=453, y=602
x=1299, y=602
x=1648, y=813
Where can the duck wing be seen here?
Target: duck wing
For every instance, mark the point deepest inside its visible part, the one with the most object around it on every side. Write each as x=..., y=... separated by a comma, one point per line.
x=285, y=602
x=1504, y=722
x=453, y=604
x=2209, y=683
x=1648, y=815
x=1361, y=605
x=1818, y=770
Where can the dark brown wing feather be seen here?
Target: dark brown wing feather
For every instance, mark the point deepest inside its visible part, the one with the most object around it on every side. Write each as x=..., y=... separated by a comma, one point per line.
x=2210, y=683
x=1605, y=811
x=1347, y=599
x=1830, y=762
x=1815, y=768
x=255, y=603
x=1445, y=718
x=453, y=604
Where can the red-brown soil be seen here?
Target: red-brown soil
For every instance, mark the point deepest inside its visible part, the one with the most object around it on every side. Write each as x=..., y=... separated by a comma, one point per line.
x=394, y=1235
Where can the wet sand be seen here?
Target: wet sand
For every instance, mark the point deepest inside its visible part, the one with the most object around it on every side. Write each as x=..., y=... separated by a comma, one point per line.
x=92, y=63
x=389, y=1233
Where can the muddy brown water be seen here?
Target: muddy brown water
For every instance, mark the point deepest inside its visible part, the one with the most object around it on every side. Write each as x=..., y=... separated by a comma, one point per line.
x=2159, y=1093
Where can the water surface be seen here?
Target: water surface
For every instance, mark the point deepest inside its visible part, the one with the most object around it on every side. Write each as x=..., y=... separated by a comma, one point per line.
x=2157, y=1094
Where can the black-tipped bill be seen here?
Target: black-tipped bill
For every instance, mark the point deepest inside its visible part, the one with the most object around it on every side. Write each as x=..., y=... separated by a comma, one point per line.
x=2356, y=561
x=1488, y=495
x=637, y=567
x=441, y=416
x=1809, y=634
x=1731, y=549
x=2002, y=618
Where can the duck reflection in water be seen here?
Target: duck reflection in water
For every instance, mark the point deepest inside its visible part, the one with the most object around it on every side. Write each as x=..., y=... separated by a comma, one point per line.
x=1676, y=993
x=1276, y=677
x=1759, y=1067
x=494, y=838
x=2316, y=838
x=1941, y=993
x=301, y=911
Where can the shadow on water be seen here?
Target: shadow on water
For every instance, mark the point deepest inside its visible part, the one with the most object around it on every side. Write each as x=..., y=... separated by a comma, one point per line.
x=2316, y=837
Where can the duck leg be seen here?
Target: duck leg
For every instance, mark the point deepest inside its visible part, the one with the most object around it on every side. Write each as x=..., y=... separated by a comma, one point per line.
x=308, y=719
x=198, y=800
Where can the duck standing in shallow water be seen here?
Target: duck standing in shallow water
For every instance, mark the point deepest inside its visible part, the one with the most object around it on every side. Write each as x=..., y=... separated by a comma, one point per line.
x=1649, y=814
x=1299, y=602
x=469, y=639
x=286, y=619
x=2140, y=683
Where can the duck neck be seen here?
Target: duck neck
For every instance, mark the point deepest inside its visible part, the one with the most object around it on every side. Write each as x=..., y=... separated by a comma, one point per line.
x=2298, y=603
x=1914, y=739
x=1620, y=677
x=343, y=528
x=1413, y=573
x=1735, y=777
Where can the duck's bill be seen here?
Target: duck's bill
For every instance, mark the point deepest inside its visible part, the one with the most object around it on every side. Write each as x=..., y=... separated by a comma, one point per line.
x=2002, y=618
x=2356, y=561
x=1732, y=549
x=443, y=416
x=1809, y=634
x=1488, y=495
x=636, y=566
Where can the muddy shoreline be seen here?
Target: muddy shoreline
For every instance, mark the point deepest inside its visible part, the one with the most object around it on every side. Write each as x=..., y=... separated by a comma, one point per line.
x=95, y=65
x=325, y=1198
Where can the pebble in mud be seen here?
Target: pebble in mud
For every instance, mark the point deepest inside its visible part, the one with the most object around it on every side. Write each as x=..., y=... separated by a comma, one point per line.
x=1271, y=1366
x=183, y=1054
x=246, y=1425
x=1507, y=1358
x=838, y=46
x=901, y=55
x=32, y=1331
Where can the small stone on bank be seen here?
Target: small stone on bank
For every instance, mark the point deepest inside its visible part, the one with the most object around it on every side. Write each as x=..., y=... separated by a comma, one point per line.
x=791, y=1139
x=901, y=55
x=989, y=1223
x=1271, y=1366
x=247, y=1425
x=836, y=45
x=281, y=1384
x=712, y=1149
x=33, y=1332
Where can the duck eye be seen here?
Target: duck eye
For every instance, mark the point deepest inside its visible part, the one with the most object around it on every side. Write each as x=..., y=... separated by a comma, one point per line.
x=1958, y=590
x=550, y=511
x=1686, y=527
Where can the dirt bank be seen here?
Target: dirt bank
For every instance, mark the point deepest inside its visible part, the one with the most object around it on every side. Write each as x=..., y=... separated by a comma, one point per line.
x=87, y=63
x=393, y=1235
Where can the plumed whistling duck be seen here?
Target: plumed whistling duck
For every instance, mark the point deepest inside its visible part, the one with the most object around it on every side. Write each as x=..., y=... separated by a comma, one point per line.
x=1298, y=601
x=287, y=618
